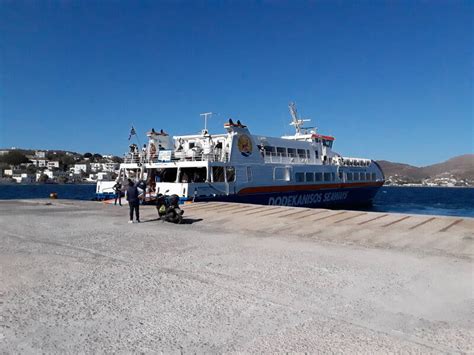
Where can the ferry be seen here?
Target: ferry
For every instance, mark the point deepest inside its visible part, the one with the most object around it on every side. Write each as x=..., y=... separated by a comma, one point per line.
x=238, y=166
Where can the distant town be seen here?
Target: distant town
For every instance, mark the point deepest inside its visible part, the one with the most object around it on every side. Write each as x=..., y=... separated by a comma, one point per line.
x=56, y=166
x=448, y=180
x=455, y=172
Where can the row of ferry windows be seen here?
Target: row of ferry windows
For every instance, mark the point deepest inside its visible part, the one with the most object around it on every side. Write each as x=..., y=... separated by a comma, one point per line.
x=223, y=174
x=317, y=177
x=196, y=174
x=287, y=152
x=361, y=176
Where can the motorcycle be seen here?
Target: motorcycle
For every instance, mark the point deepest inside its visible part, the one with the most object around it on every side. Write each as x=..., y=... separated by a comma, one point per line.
x=168, y=208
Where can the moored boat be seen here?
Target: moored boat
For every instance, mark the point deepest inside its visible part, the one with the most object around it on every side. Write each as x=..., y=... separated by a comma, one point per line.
x=237, y=166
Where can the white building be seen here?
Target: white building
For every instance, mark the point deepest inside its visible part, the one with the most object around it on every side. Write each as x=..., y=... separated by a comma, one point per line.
x=52, y=174
x=104, y=175
x=8, y=172
x=40, y=163
x=95, y=167
x=24, y=178
x=81, y=167
x=52, y=164
x=40, y=154
x=110, y=167
x=48, y=173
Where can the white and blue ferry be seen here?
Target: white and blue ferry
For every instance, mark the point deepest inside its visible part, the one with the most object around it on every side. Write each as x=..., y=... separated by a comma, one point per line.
x=237, y=166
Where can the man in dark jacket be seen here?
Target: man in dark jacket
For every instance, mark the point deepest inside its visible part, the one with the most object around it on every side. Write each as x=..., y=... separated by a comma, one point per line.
x=133, y=201
x=118, y=193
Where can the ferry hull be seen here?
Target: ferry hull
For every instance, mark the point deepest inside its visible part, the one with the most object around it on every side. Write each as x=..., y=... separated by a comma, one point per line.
x=321, y=198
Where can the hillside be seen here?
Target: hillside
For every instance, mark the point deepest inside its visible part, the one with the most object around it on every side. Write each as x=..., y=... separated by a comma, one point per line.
x=462, y=166
x=456, y=169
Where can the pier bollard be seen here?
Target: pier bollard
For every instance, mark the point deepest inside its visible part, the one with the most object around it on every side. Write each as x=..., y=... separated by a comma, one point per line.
x=53, y=195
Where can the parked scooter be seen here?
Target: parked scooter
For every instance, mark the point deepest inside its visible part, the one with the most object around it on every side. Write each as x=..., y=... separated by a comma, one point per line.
x=168, y=208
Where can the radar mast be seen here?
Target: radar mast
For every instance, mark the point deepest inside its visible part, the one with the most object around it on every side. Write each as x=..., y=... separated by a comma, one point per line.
x=206, y=115
x=297, y=122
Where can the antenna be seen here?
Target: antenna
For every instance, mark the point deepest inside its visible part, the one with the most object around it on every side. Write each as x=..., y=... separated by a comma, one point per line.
x=298, y=123
x=293, y=111
x=206, y=115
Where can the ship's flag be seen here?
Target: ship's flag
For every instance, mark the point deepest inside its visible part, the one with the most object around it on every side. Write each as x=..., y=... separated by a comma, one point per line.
x=132, y=133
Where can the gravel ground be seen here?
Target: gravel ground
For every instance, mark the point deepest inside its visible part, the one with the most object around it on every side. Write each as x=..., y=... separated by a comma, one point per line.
x=75, y=277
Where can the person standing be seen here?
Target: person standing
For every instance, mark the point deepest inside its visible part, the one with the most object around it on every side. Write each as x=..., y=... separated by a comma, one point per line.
x=133, y=201
x=118, y=193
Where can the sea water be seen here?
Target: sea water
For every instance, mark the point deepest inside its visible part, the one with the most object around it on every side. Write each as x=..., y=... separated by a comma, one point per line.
x=417, y=200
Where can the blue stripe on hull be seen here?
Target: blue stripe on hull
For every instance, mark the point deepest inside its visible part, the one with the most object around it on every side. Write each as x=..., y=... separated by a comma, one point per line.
x=341, y=197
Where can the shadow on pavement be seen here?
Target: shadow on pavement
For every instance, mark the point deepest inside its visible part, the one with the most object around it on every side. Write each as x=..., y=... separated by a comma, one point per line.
x=185, y=220
x=191, y=220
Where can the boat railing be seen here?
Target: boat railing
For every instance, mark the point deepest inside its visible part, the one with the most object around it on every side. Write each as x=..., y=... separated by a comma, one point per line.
x=190, y=155
x=132, y=158
x=349, y=161
x=214, y=155
x=273, y=157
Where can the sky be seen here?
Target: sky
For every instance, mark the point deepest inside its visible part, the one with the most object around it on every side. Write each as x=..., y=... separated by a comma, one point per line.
x=390, y=80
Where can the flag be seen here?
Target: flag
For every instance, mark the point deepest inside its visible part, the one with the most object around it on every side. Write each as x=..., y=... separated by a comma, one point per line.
x=132, y=133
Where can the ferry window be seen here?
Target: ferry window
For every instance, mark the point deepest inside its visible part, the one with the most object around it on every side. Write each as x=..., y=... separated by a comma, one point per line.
x=249, y=173
x=269, y=150
x=333, y=176
x=299, y=177
x=281, y=174
x=230, y=173
x=278, y=174
x=341, y=175
x=318, y=176
x=218, y=174
x=302, y=153
x=349, y=176
x=327, y=143
x=291, y=152
x=374, y=177
x=281, y=151
x=309, y=177
x=191, y=145
x=367, y=176
x=193, y=175
x=327, y=176
x=168, y=175
x=316, y=153
x=356, y=176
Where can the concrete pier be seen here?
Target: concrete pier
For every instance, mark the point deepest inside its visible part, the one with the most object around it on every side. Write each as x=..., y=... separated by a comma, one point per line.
x=75, y=277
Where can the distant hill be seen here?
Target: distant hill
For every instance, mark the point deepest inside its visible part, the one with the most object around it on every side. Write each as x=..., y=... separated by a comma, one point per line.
x=460, y=168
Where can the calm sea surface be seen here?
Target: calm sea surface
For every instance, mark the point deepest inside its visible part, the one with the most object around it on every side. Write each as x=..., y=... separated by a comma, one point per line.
x=420, y=200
